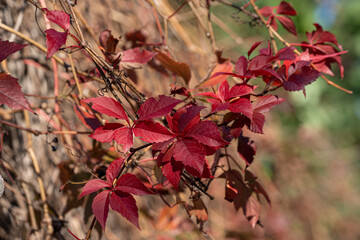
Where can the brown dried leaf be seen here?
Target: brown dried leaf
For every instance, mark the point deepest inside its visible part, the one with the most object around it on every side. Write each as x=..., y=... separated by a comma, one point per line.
x=178, y=68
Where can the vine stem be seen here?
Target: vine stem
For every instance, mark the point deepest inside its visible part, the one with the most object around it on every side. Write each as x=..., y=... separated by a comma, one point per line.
x=46, y=218
x=273, y=31
x=37, y=132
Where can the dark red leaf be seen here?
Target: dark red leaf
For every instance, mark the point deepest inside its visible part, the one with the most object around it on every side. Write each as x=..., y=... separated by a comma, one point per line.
x=131, y=184
x=246, y=149
x=125, y=204
x=7, y=48
x=190, y=153
x=10, y=93
x=113, y=170
x=100, y=207
x=136, y=55
x=150, y=131
x=286, y=53
x=242, y=65
x=253, y=47
x=108, y=106
x=190, y=118
x=58, y=17
x=108, y=42
x=300, y=75
x=172, y=171
x=54, y=41
x=153, y=108
x=93, y=186
x=286, y=9
x=206, y=132
x=288, y=24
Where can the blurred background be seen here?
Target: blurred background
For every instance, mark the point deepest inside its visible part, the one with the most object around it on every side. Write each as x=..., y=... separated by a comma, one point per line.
x=308, y=160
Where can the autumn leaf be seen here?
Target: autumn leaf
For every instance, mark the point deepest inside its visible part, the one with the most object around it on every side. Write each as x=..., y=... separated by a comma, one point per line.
x=54, y=41
x=7, y=48
x=178, y=68
x=10, y=93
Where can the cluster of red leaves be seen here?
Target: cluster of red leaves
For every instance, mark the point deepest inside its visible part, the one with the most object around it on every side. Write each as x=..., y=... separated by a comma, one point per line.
x=117, y=194
x=145, y=127
x=180, y=138
x=284, y=8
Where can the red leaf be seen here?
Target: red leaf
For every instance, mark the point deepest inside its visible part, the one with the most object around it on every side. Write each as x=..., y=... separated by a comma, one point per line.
x=10, y=93
x=253, y=47
x=190, y=118
x=246, y=149
x=124, y=136
x=300, y=75
x=206, y=132
x=286, y=9
x=108, y=106
x=178, y=68
x=153, y=108
x=125, y=204
x=7, y=48
x=172, y=171
x=225, y=67
x=136, y=55
x=190, y=153
x=93, y=186
x=100, y=207
x=262, y=105
x=106, y=133
x=131, y=184
x=265, y=103
x=257, y=123
x=113, y=170
x=150, y=131
x=243, y=106
x=54, y=41
x=288, y=24
x=58, y=17
x=266, y=11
